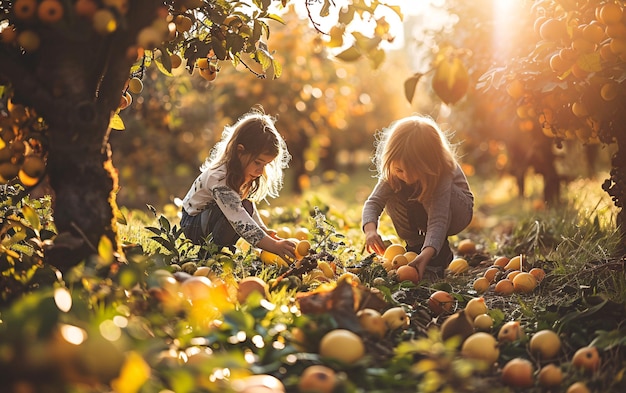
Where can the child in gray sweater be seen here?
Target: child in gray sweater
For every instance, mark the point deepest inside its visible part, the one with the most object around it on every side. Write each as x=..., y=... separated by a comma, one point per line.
x=422, y=188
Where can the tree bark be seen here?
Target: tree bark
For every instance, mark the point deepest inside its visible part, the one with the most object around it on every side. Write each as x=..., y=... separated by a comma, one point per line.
x=74, y=81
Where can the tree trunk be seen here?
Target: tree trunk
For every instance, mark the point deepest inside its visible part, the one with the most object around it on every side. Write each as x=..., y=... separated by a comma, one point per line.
x=74, y=81
x=615, y=186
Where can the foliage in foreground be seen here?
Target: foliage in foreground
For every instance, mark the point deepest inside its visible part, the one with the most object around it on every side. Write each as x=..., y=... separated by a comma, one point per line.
x=171, y=317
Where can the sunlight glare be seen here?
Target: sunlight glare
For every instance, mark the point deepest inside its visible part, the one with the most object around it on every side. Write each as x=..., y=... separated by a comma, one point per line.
x=63, y=299
x=73, y=334
x=110, y=331
x=504, y=13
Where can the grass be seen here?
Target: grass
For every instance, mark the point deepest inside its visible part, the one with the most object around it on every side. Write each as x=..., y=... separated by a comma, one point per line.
x=577, y=241
x=582, y=298
x=582, y=228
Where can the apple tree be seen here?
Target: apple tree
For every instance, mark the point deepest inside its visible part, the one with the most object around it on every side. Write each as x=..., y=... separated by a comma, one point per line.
x=572, y=79
x=68, y=67
x=559, y=74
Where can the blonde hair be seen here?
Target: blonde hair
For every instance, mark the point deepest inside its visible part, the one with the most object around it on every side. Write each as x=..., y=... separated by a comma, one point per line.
x=419, y=144
x=256, y=132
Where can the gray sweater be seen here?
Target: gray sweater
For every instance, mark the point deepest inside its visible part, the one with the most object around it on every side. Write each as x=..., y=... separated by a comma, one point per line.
x=449, y=211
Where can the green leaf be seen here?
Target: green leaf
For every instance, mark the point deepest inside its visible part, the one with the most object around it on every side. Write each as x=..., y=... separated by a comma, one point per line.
x=105, y=250
x=275, y=17
x=364, y=42
x=410, y=85
x=278, y=69
x=165, y=243
x=376, y=56
x=590, y=62
x=32, y=217
x=165, y=224
x=350, y=54
x=182, y=381
x=346, y=15
x=120, y=217
x=116, y=123
x=325, y=11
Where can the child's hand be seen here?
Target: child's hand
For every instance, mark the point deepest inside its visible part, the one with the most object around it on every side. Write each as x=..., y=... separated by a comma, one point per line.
x=419, y=263
x=421, y=260
x=374, y=243
x=286, y=249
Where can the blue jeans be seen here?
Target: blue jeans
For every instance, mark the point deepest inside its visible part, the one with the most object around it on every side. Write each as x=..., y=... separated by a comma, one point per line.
x=211, y=221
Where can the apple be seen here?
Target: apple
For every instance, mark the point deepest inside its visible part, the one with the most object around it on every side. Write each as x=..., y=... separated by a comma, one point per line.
x=249, y=285
x=545, y=343
x=518, y=372
x=586, y=358
x=483, y=323
x=475, y=307
x=317, y=378
x=372, y=322
x=481, y=346
x=578, y=387
x=440, y=302
x=550, y=375
x=342, y=345
x=396, y=318
x=511, y=331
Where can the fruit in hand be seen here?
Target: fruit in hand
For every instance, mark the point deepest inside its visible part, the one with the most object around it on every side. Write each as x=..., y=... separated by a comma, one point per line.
x=408, y=273
x=302, y=248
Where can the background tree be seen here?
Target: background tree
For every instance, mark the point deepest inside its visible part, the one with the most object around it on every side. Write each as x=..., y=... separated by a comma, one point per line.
x=570, y=82
x=529, y=99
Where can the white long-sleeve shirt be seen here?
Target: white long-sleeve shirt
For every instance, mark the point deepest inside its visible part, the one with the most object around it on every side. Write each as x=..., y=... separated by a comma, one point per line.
x=210, y=187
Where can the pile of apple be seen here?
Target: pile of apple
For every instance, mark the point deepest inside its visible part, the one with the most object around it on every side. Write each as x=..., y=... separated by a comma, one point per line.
x=347, y=347
x=395, y=260
x=506, y=275
x=471, y=326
